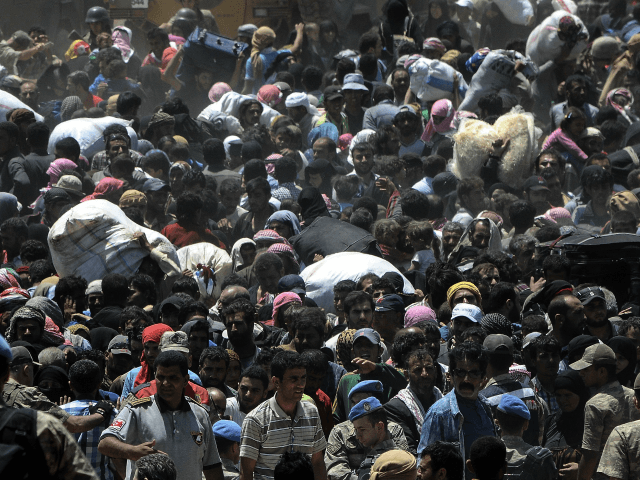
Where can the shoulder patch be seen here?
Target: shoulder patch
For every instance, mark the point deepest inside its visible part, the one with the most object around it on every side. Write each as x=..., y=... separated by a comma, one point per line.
x=140, y=401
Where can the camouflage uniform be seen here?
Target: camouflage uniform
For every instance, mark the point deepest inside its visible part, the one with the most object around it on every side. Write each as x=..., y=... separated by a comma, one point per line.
x=62, y=453
x=229, y=469
x=16, y=395
x=344, y=453
x=621, y=455
x=517, y=450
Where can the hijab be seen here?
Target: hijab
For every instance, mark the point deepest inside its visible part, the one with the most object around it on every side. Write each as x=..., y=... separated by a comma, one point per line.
x=48, y=307
x=262, y=38
x=121, y=37
x=285, y=216
x=8, y=206
x=571, y=424
x=236, y=256
x=621, y=110
x=57, y=166
x=442, y=108
x=312, y=205
x=106, y=186
x=430, y=26
x=627, y=348
x=54, y=374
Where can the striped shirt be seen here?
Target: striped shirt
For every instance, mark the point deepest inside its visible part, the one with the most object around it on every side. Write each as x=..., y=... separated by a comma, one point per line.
x=268, y=432
x=88, y=441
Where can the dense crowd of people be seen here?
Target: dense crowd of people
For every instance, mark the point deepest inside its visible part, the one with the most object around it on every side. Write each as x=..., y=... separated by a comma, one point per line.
x=411, y=254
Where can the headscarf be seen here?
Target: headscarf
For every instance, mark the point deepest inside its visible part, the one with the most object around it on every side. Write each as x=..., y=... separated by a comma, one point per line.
x=121, y=37
x=20, y=115
x=104, y=187
x=231, y=139
x=344, y=349
x=327, y=129
x=22, y=313
x=262, y=38
x=217, y=90
x=74, y=329
x=77, y=48
x=234, y=356
x=474, y=62
x=625, y=201
x=55, y=374
x=496, y=324
x=285, y=216
x=433, y=43
x=344, y=140
x=280, y=301
x=52, y=333
x=623, y=92
x=418, y=314
x=395, y=465
x=152, y=333
x=556, y=213
x=268, y=236
x=56, y=168
x=48, y=307
x=312, y=205
x=453, y=289
x=571, y=424
x=627, y=348
x=69, y=106
x=270, y=95
x=284, y=250
x=236, y=256
x=8, y=206
x=9, y=278
x=101, y=336
x=13, y=297
x=442, y=108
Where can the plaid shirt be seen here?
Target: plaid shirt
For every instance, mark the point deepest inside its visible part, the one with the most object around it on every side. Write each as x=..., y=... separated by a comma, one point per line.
x=89, y=440
x=546, y=396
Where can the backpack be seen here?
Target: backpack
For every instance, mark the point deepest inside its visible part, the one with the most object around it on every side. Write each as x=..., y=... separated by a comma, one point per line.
x=533, y=466
x=21, y=457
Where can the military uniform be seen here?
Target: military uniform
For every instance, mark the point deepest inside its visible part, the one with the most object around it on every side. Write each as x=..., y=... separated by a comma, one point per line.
x=621, y=455
x=16, y=395
x=183, y=434
x=344, y=454
x=543, y=468
x=229, y=470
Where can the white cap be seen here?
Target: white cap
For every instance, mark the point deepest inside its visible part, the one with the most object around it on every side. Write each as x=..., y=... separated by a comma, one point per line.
x=297, y=99
x=465, y=3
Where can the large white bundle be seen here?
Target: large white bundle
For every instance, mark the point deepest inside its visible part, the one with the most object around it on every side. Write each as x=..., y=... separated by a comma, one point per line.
x=473, y=144
x=433, y=80
x=9, y=102
x=209, y=255
x=321, y=277
x=229, y=122
x=519, y=12
x=543, y=43
x=494, y=74
x=88, y=133
x=230, y=103
x=566, y=5
x=96, y=238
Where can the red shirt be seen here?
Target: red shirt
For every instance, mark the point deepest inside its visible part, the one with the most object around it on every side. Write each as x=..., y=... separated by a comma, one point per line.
x=192, y=390
x=91, y=102
x=181, y=237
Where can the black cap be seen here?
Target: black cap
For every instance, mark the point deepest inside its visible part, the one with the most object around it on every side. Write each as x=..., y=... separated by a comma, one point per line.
x=535, y=183
x=586, y=295
x=444, y=183
x=332, y=92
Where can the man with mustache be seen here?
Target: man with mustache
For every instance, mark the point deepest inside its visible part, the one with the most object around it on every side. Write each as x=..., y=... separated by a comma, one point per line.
x=595, y=310
x=462, y=416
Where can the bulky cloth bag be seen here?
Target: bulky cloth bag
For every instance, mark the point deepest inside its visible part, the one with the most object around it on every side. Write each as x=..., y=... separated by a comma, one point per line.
x=88, y=132
x=95, y=238
x=209, y=255
x=494, y=74
x=10, y=102
x=433, y=80
x=544, y=44
x=321, y=277
x=473, y=144
x=230, y=103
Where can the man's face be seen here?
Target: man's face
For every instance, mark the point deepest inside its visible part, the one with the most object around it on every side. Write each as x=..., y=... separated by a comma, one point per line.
x=362, y=161
x=379, y=292
x=596, y=313
x=297, y=113
x=10, y=241
x=549, y=161
x=555, y=188
x=539, y=199
x=464, y=296
x=28, y=330
x=467, y=379
x=491, y=275
x=169, y=316
x=425, y=469
x=592, y=145
x=334, y=106
x=117, y=147
x=599, y=193
x=387, y=324
x=170, y=383
x=314, y=380
x=291, y=387
x=204, y=81
x=360, y=315
x=338, y=302
x=476, y=200
x=392, y=145
x=407, y=125
x=237, y=328
x=151, y=352
x=251, y=393
x=258, y=200
x=575, y=319
x=577, y=92
x=547, y=364
x=589, y=376
x=321, y=150
x=198, y=341
x=366, y=433
x=118, y=363
x=268, y=279
x=252, y=115
x=353, y=99
x=400, y=81
x=460, y=324
x=449, y=240
x=156, y=44
x=156, y=201
x=29, y=94
x=136, y=297
x=363, y=348
x=422, y=375
x=213, y=373
x=307, y=339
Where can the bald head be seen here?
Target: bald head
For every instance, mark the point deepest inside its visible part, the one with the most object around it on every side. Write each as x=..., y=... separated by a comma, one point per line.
x=232, y=293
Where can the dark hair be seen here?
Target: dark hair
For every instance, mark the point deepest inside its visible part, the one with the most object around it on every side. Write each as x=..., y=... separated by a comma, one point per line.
x=535, y=323
x=285, y=170
x=266, y=261
x=230, y=186
x=467, y=185
x=115, y=288
x=255, y=372
x=126, y=101
x=622, y=217
x=572, y=114
x=491, y=103
x=157, y=160
x=156, y=466
x=475, y=331
x=241, y=305
x=85, y=376
x=367, y=41
x=214, y=354
x=186, y=285
x=553, y=152
x=68, y=286
x=443, y=276
x=310, y=317
x=488, y=456
x=38, y=135
x=312, y=77
x=69, y=147
x=356, y=297
x=258, y=183
x=194, y=177
x=32, y=250
x=41, y=269
x=170, y=358
x=234, y=279
x=17, y=227
x=522, y=214
x=134, y=313
x=613, y=131
x=404, y=345
x=293, y=466
x=471, y=352
x=433, y=165
x=344, y=286
x=383, y=92
x=187, y=205
x=415, y=204
x=316, y=361
x=445, y=455
x=377, y=416
x=361, y=218
x=213, y=152
x=547, y=233
x=158, y=32
x=499, y=294
x=595, y=175
x=545, y=343
x=367, y=203
x=556, y=263
x=284, y=361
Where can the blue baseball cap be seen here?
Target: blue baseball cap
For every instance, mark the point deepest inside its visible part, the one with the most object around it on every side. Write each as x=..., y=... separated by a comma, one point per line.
x=368, y=333
x=514, y=406
x=364, y=407
x=154, y=185
x=366, y=386
x=292, y=283
x=390, y=303
x=228, y=430
x=468, y=311
x=5, y=350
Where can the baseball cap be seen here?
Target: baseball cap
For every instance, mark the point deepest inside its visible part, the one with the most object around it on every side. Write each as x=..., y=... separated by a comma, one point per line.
x=154, y=185
x=535, y=183
x=364, y=407
x=5, y=349
x=332, y=92
x=591, y=132
x=468, y=311
x=407, y=109
x=354, y=81
x=498, y=343
x=444, y=183
x=94, y=287
x=21, y=356
x=530, y=338
x=247, y=30
x=368, y=333
x=586, y=295
x=71, y=184
x=366, y=386
x=512, y=405
x=390, y=303
x=465, y=3
x=177, y=341
x=228, y=430
x=292, y=283
x=599, y=354
x=119, y=345
x=283, y=86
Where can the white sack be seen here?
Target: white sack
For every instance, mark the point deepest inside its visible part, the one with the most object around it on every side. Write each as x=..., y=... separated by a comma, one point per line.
x=518, y=12
x=209, y=255
x=9, y=102
x=432, y=80
x=543, y=43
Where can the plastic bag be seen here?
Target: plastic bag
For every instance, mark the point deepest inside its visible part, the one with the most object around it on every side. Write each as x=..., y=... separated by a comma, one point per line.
x=544, y=44
x=566, y=5
x=433, y=80
x=88, y=132
x=230, y=103
x=518, y=12
x=9, y=102
x=194, y=257
x=95, y=238
x=321, y=277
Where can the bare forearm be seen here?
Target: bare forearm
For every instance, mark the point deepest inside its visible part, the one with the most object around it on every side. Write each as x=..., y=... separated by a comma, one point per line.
x=319, y=468
x=588, y=464
x=114, y=448
x=79, y=424
x=214, y=473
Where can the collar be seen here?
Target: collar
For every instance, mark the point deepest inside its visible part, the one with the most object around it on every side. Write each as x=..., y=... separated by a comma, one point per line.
x=281, y=413
x=609, y=387
x=505, y=377
x=453, y=403
x=513, y=441
x=163, y=407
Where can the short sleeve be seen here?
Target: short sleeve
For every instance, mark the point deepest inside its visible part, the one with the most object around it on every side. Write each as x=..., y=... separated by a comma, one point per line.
x=319, y=441
x=249, y=70
x=123, y=427
x=251, y=439
x=593, y=428
x=613, y=461
x=211, y=455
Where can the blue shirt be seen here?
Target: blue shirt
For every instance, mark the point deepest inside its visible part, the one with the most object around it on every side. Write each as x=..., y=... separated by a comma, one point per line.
x=424, y=186
x=268, y=56
x=131, y=378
